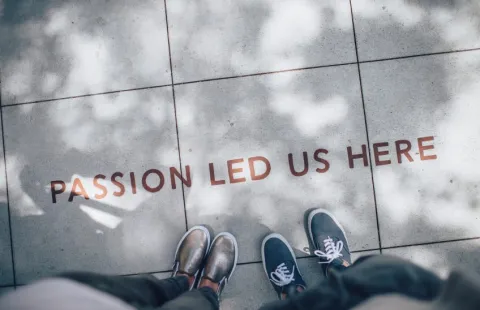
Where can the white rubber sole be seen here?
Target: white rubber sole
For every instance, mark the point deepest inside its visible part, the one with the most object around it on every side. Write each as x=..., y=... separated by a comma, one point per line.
x=278, y=236
x=317, y=211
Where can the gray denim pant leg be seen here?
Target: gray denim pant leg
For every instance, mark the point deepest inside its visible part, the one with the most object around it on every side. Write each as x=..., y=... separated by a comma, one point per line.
x=202, y=299
x=148, y=293
x=369, y=276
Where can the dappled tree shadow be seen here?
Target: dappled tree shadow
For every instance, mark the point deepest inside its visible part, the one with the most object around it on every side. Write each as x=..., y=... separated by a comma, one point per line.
x=57, y=49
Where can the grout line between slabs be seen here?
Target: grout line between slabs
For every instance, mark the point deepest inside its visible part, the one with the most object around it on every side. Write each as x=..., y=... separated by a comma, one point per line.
x=142, y=273
x=421, y=55
x=429, y=243
x=312, y=256
x=7, y=286
x=179, y=83
x=241, y=264
x=175, y=112
x=6, y=190
x=366, y=131
x=358, y=251
x=244, y=75
x=308, y=256
x=86, y=95
x=265, y=73
x=301, y=258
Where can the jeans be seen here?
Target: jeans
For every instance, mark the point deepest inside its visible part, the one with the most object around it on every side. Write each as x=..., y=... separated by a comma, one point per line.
x=147, y=292
x=370, y=276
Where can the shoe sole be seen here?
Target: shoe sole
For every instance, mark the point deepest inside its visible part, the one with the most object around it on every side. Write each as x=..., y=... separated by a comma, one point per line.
x=278, y=236
x=310, y=218
x=235, y=244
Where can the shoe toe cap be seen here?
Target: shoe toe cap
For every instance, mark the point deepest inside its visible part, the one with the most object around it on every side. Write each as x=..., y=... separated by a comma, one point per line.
x=221, y=259
x=192, y=251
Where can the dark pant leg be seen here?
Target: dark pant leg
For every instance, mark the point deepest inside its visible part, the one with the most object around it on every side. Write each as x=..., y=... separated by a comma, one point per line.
x=368, y=277
x=144, y=291
x=202, y=299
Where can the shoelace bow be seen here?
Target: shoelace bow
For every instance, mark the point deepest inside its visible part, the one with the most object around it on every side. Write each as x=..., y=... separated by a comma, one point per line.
x=282, y=276
x=333, y=251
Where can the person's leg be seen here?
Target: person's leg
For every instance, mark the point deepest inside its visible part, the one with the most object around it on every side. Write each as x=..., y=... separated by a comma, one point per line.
x=147, y=291
x=330, y=245
x=347, y=285
x=373, y=276
x=220, y=264
x=204, y=298
x=138, y=291
x=381, y=274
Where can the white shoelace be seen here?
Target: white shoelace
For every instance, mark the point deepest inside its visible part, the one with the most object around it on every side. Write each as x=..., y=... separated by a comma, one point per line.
x=281, y=276
x=332, y=251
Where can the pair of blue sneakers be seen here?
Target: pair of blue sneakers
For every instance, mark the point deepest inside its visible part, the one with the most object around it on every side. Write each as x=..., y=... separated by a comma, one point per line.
x=330, y=244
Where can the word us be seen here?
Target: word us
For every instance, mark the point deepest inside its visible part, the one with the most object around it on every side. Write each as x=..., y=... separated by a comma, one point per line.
x=153, y=180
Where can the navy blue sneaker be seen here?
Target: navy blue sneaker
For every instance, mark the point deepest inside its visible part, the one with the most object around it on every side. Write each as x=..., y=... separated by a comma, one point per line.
x=329, y=239
x=281, y=266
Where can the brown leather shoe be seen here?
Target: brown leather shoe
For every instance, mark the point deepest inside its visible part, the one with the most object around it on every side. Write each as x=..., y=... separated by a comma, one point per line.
x=221, y=261
x=191, y=252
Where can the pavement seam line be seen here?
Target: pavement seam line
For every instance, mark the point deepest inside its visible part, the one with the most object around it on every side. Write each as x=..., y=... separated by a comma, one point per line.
x=176, y=120
x=366, y=131
x=12, y=251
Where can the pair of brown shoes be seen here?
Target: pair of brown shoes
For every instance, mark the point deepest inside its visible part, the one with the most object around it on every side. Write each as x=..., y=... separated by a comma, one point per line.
x=216, y=261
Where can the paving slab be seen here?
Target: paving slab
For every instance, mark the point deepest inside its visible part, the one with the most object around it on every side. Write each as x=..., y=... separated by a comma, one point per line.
x=386, y=29
x=224, y=123
x=6, y=269
x=249, y=287
x=112, y=149
x=433, y=194
x=55, y=48
x=441, y=258
x=243, y=37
